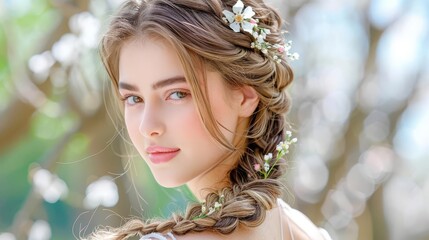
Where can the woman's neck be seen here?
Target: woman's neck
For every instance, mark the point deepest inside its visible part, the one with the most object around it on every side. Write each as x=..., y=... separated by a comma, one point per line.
x=217, y=177
x=214, y=179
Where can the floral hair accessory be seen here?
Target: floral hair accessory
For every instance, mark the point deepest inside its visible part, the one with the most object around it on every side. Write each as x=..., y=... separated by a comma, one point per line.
x=209, y=211
x=282, y=149
x=243, y=19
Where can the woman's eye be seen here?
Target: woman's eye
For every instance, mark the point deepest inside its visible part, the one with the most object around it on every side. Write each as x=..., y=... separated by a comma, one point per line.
x=132, y=100
x=178, y=95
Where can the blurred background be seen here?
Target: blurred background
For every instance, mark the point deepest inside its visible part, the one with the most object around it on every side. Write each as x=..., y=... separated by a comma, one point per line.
x=360, y=111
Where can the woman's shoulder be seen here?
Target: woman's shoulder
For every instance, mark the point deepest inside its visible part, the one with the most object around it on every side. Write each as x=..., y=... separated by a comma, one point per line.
x=292, y=225
x=297, y=224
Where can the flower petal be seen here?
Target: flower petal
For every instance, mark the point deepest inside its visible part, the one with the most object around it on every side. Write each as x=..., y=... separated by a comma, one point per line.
x=235, y=26
x=238, y=7
x=247, y=27
x=248, y=12
x=229, y=15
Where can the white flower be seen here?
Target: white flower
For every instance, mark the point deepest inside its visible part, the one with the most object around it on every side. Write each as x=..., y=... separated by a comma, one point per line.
x=211, y=210
x=266, y=167
x=260, y=39
x=279, y=146
x=265, y=32
x=238, y=17
x=294, y=56
x=217, y=205
x=268, y=157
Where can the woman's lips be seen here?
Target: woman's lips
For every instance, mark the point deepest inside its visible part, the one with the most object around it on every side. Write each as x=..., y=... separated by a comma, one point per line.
x=159, y=154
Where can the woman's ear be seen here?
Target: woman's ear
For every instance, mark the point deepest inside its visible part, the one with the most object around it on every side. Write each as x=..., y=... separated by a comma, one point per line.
x=249, y=101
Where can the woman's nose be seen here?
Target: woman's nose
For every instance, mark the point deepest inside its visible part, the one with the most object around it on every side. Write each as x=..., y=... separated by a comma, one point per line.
x=152, y=122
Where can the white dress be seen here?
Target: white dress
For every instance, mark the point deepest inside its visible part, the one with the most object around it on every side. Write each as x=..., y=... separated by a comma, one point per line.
x=293, y=215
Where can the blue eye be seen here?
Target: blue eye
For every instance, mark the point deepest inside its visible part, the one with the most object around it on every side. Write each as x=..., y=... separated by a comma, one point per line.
x=178, y=95
x=132, y=100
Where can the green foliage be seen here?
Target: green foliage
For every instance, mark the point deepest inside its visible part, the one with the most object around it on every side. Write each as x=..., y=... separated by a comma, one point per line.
x=32, y=28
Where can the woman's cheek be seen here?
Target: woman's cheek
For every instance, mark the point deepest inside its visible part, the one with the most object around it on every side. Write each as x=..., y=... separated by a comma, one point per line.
x=132, y=124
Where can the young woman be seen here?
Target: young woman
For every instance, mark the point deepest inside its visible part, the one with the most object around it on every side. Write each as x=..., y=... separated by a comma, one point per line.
x=202, y=84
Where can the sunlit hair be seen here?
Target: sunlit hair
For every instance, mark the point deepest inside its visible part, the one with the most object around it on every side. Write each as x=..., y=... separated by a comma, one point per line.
x=203, y=42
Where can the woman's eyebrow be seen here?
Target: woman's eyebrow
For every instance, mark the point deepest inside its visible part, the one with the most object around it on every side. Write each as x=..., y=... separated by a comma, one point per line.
x=168, y=81
x=157, y=85
x=127, y=86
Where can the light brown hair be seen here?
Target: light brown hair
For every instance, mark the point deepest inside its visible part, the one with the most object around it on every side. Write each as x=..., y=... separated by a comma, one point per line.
x=203, y=41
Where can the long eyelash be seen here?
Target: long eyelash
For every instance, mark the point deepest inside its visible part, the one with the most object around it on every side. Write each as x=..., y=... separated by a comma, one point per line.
x=186, y=92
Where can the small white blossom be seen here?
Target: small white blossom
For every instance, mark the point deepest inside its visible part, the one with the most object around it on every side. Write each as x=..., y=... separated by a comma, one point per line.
x=266, y=167
x=268, y=157
x=279, y=146
x=222, y=198
x=261, y=38
x=265, y=32
x=294, y=56
x=217, y=205
x=288, y=45
x=211, y=210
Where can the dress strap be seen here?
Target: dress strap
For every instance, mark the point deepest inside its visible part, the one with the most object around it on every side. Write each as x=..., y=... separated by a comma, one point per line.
x=280, y=207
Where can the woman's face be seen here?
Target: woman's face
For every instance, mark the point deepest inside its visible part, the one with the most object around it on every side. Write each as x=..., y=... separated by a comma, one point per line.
x=162, y=119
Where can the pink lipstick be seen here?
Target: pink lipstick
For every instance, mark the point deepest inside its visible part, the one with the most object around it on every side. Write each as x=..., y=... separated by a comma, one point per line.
x=159, y=154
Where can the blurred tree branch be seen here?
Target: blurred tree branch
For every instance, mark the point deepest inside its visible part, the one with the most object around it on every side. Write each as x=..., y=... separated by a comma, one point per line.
x=34, y=200
x=17, y=117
